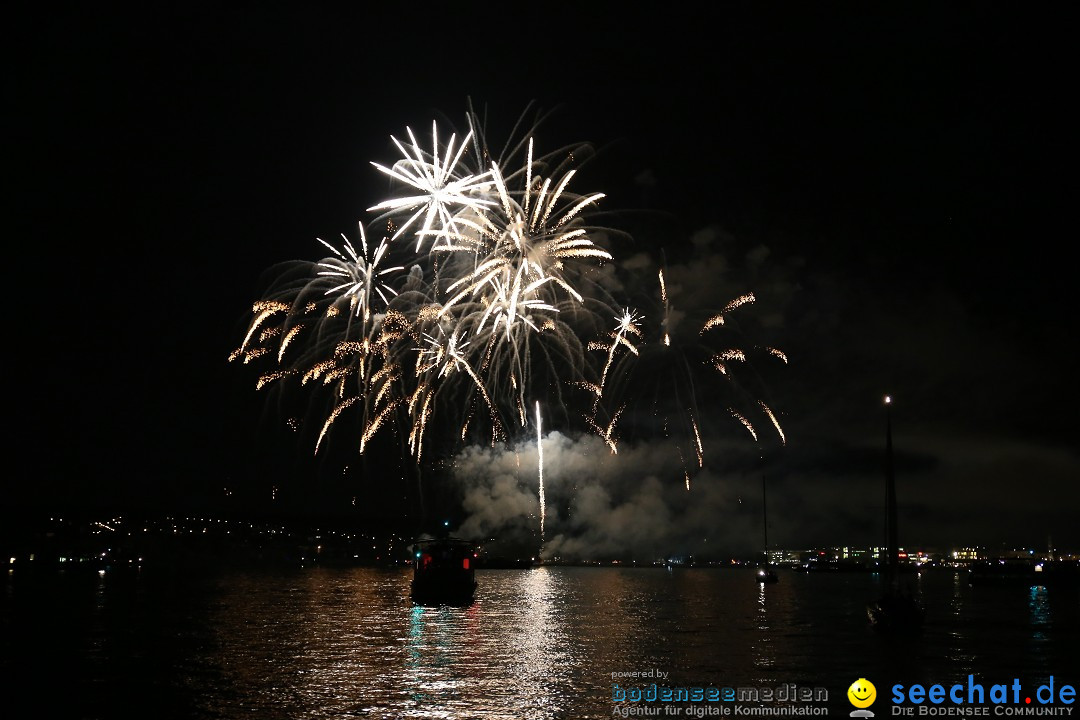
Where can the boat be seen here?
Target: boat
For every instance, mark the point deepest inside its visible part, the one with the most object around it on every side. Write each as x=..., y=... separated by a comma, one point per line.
x=443, y=571
x=897, y=610
x=766, y=574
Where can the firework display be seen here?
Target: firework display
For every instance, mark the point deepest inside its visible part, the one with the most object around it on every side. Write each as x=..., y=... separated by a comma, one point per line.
x=481, y=288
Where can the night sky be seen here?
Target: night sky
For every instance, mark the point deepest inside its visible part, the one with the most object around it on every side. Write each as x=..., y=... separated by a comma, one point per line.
x=891, y=184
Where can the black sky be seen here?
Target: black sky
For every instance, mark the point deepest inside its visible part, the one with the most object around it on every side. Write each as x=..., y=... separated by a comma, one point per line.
x=891, y=183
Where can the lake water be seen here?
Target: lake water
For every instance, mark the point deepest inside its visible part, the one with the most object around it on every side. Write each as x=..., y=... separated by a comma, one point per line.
x=537, y=643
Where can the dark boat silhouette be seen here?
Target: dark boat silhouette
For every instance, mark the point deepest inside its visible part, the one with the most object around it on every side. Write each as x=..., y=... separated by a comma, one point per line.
x=896, y=610
x=443, y=571
x=766, y=575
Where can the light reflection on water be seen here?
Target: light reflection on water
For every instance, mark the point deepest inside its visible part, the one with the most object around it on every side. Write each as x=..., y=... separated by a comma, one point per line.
x=540, y=643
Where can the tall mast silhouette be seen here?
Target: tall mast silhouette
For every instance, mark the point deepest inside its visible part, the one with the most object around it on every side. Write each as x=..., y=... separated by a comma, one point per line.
x=892, y=540
x=765, y=518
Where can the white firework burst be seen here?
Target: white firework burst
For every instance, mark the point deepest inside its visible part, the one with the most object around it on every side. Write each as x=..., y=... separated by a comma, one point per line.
x=443, y=188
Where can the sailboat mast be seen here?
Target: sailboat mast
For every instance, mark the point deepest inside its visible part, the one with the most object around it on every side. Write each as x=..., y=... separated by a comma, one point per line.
x=765, y=518
x=892, y=537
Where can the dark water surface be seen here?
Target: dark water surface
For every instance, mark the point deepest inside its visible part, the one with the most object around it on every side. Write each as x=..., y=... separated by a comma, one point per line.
x=539, y=643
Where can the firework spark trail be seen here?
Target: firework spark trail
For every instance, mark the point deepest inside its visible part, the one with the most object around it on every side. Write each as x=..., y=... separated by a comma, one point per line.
x=605, y=433
x=746, y=423
x=667, y=309
x=698, y=448
x=777, y=353
x=263, y=310
x=775, y=422
x=540, y=467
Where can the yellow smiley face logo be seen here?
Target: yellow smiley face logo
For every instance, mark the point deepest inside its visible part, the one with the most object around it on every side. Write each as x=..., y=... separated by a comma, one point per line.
x=862, y=693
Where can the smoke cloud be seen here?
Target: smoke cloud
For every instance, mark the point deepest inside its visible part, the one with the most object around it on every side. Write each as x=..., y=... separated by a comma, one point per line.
x=632, y=506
